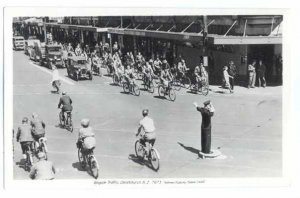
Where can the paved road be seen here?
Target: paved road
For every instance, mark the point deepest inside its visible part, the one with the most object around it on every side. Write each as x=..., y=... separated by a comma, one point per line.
x=247, y=127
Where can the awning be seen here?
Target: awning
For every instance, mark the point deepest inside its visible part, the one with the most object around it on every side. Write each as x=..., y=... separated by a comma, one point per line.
x=77, y=27
x=245, y=40
x=185, y=36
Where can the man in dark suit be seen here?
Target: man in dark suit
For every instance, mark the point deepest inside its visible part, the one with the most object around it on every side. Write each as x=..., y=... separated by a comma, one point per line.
x=261, y=69
x=66, y=103
x=207, y=112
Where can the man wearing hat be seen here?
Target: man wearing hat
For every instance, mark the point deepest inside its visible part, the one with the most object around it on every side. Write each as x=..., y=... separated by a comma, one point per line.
x=232, y=72
x=207, y=112
x=43, y=169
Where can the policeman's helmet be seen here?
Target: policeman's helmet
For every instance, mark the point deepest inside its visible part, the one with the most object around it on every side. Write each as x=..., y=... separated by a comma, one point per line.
x=85, y=122
x=145, y=112
x=25, y=120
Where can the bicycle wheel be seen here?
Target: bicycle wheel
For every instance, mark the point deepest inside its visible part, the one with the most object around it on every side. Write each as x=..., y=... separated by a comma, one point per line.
x=139, y=150
x=204, y=90
x=154, y=159
x=69, y=124
x=172, y=95
x=94, y=167
x=126, y=87
x=61, y=119
x=136, y=90
x=81, y=158
x=151, y=87
x=186, y=81
x=161, y=91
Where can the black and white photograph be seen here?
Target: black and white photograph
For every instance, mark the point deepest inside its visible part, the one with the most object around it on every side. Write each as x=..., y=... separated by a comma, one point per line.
x=133, y=96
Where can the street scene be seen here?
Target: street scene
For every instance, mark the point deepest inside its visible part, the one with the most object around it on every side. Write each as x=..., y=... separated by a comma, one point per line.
x=156, y=97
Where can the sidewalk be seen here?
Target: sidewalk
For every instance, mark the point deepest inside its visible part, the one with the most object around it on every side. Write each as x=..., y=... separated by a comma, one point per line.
x=243, y=91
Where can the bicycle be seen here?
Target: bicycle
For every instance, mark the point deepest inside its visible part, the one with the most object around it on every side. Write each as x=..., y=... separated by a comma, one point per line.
x=29, y=156
x=117, y=80
x=88, y=158
x=131, y=88
x=181, y=81
x=169, y=91
x=42, y=146
x=66, y=123
x=201, y=87
x=148, y=84
x=141, y=152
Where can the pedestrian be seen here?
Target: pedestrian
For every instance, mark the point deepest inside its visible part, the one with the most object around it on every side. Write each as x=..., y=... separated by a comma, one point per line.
x=43, y=169
x=251, y=74
x=232, y=72
x=261, y=69
x=207, y=111
x=226, y=78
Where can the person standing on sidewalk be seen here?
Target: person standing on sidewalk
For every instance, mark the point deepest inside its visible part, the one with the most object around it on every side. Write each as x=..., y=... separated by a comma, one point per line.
x=261, y=69
x=251, y=74
x=232, y=72
x=207, y=112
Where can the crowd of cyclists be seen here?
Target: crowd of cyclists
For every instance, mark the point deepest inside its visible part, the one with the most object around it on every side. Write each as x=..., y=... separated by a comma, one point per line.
x=129, y=67
x=121, y=66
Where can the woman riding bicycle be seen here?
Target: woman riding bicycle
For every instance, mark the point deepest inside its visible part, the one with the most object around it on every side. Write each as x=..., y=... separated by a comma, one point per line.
x=146, y=125
x=86, y=137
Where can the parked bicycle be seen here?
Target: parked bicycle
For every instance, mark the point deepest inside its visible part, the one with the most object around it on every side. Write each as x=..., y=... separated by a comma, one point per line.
x=164, y=91
x=66, y=123
x=87, y=158
x=152, y=156
x=131, y=88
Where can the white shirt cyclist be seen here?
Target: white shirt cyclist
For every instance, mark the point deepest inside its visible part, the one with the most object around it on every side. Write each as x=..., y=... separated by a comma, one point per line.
x=147, y=124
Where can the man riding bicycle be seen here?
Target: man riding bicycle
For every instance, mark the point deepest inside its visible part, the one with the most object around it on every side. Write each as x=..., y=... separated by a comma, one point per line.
x=37, y=128
x=129, y=75
x=66, y=102
x=200, y=74
x=165, y=77
x=148, y=72
x=43, y=169
x=86, y=137
x=24, y=136
x=181, y=69
x=146, y=126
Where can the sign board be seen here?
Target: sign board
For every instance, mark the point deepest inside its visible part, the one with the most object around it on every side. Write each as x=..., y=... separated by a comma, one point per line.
x=205, y=61
x=108, y=35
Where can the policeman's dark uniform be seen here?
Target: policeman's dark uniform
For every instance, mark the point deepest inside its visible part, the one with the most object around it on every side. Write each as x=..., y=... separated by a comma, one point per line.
x=205, y=129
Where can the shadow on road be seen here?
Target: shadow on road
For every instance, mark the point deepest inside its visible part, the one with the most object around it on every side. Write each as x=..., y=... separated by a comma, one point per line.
x=192, y=92
x=21, y=164
x=78, y=166
x=135, y=159
x=114, y=84
x=191, y=149
x=160, y=97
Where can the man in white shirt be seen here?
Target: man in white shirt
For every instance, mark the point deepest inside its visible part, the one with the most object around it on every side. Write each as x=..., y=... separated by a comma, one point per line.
x=55, y=78
x=146, y=126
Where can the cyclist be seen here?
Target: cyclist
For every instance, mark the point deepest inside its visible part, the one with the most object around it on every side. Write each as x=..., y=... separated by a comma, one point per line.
x=55, y=77
x=86, y=137
x=37, y=128
x=146, y=125
x=129, y=75
x=66, y=102
x=24, y=136
x=165, y=77
x=181, y=69
x=119, y=70
x=96, y=62
x=78, y=50
x=148, y=72
x=156, y=66
x=200, y=73
x=70, y=48
x=43, y=169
